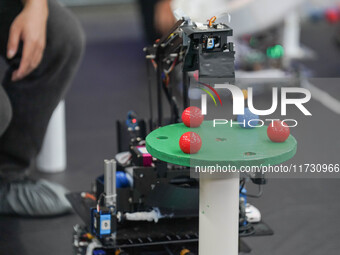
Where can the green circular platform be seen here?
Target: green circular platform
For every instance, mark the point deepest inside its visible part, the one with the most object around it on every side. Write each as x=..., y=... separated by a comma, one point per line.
x=222, y=145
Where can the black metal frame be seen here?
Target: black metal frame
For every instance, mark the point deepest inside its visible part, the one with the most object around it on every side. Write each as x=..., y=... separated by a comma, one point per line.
x=188, y=44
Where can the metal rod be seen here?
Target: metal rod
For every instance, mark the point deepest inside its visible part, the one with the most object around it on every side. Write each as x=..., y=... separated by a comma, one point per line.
x=150, y=92
x=159, y=91
x=110, y=167
x=185, y=89
x=173, y=28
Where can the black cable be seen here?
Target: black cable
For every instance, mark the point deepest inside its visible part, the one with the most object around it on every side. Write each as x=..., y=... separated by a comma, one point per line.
x=246, y=230
x=159, y=90
x=185, y=83
x=258, y=195
x=243, y=182
x=173, y=105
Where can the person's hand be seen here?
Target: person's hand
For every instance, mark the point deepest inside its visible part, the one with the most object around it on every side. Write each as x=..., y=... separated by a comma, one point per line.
x=164, y=19
x=30, y=28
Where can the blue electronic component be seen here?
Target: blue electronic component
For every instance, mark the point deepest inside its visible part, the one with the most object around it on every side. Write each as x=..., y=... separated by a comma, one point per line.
x=244, y=195
x=210, y=43
x=121, y=180
x=99, y=252
x=105, y=224
x=101, y=222
x=131, y=120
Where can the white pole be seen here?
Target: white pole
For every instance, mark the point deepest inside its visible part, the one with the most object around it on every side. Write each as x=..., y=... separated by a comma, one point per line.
x=52, y=157
x=291, y=36
x=219, y=216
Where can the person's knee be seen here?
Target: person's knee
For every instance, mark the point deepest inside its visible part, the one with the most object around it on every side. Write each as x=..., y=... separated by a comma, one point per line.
x=65, y=36
x=5, y=112
x=74, y=41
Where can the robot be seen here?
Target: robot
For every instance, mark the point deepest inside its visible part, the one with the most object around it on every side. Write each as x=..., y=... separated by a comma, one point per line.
x=142, y=205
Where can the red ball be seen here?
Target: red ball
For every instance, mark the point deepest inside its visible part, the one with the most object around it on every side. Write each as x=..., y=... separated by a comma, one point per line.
x=190, y=143
x=192, y=117
x=332, y=16
x=278, y=131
